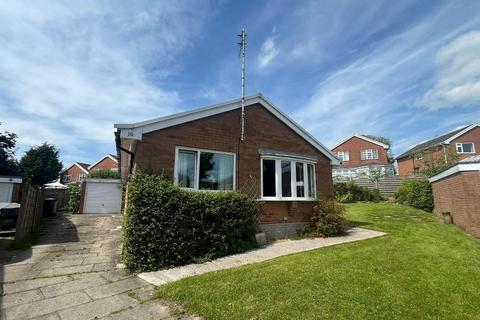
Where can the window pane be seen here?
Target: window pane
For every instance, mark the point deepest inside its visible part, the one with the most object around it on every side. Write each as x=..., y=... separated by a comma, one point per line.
x=186, y=168
x=467, y=147
x=286, y=179
x=300, y=180
x=459, y=148
x=311, y=181
x=216, y=171
x=269, y=178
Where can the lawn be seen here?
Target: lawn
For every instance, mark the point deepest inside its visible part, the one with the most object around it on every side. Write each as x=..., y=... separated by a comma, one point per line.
x=423, y=269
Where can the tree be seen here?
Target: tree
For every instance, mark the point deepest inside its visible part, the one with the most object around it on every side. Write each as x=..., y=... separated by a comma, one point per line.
x=435, y=161
x=386, y=141
x=374, y=174
x=40, y=164
x=8, y=164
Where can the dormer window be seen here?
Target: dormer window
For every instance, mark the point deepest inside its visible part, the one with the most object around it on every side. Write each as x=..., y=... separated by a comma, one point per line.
x=465, y=147
x=344, y=155
x=369, y=154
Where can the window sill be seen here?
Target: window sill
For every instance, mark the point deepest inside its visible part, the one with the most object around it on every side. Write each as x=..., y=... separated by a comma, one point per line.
x=287, y=199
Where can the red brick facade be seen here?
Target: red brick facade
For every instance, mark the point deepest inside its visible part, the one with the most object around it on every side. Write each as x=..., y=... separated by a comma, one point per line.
x=156, y=152
x=354, y=146
x=74, y=172
x=459, y=195
x=105, y=163
x=408, y=165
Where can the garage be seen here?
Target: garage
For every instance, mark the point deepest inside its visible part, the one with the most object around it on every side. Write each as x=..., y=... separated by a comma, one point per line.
x=102, y=196
x=456, y=194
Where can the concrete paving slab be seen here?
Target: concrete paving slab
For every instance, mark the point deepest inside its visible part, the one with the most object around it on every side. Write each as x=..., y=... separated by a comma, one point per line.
x=274, y=250
x=73, y=286
x=98, y=308
x=19, y=286
x=111, y=289
x=20, y=298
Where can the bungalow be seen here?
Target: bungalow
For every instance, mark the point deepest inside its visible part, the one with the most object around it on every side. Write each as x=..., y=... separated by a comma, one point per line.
x=358, y=154
x=445, y=149
x=278, y=161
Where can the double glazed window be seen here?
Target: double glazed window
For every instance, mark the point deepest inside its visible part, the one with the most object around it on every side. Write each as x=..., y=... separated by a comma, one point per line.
x=204, y=169
x=288, y=179
x=465, y=147
x=369, y=154
x=344, y=155
x=81, y=177
x=66, y=178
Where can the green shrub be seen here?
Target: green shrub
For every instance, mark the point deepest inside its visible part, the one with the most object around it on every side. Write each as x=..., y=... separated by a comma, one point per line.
x=328, y=220
x=346, y=192
x=166, y=226
x=416, y=193
x=104, y=174
x=73, y=204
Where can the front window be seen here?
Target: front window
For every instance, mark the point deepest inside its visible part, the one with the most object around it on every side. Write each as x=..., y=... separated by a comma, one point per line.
x=369, y=154
x=66, y=178
x=288, y=179
x=204, y=169
x=344, y=155
x=465, y=147
x=81, y=177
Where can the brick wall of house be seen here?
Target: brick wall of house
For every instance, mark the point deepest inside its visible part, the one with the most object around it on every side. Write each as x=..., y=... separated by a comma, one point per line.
x=106, y=163
x=459, y=195
x=74, y=172
x=354, y=146
x=408, y=165
x=156, y=152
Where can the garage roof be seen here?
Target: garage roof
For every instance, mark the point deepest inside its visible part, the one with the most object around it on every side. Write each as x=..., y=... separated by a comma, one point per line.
x=468, y=164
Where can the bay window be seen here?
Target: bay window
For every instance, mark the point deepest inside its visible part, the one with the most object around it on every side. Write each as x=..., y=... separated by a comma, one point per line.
x=204, y=169
x=285, y=179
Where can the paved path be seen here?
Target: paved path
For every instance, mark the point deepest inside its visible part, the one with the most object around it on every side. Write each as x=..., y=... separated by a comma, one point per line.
x=274, y=250
x=71, y=275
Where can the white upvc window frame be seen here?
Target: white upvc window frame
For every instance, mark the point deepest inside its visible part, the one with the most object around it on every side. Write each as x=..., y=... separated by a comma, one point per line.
x=67, y=178
x=460, y=144
x=293, y=179
x=344, y=155
x=81, y=177
x=197, y=167
x=370, y=154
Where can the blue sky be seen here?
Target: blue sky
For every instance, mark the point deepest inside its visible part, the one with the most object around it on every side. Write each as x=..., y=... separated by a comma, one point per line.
x=407, y=70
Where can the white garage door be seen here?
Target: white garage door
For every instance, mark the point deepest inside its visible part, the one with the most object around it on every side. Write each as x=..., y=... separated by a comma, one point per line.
x=103, y=196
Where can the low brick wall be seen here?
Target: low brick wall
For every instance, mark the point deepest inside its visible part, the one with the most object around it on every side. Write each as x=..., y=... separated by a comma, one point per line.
x=275, y=231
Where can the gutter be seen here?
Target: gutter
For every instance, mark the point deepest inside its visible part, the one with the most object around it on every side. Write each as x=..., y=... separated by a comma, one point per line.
x=120, y=148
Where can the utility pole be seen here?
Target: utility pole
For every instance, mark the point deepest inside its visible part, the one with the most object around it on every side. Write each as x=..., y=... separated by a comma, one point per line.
x=243, y=45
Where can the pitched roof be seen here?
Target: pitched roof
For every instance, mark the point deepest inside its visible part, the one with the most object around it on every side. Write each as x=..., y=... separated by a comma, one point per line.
x=81, y=165
x=472, y=159
x=111, y=156
x=386, y=146
x=468, y=164
x=443, y=139
x=136, y=130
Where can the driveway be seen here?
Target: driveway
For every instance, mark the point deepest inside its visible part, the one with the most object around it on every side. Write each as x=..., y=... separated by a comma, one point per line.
x=71, y=274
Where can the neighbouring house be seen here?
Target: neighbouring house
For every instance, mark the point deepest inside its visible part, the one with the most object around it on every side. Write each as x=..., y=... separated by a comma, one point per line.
x=359, y=154
x=10, y=189
x=456, y=194
x=445, y=149
x=278, y=162
x=108, y=161
x=76, y=173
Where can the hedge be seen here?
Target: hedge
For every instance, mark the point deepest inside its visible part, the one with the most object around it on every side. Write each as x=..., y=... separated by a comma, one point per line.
x=349, y=192
x=165, y=226
x=416, y=193
x=104, y=174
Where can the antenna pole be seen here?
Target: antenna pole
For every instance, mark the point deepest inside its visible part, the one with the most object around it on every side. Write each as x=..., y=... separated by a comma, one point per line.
x=243, y=45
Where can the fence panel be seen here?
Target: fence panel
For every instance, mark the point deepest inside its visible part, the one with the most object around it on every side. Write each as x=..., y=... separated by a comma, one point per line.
x=386, y=185
x=30, y=213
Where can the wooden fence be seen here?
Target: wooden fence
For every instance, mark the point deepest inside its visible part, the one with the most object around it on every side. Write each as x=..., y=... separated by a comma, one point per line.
x=386, y=185
x=30, y=213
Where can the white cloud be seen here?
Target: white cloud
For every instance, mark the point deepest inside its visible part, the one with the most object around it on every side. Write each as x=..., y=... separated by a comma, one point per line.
x=268, y=52
x=68, y=71
x=458, y=79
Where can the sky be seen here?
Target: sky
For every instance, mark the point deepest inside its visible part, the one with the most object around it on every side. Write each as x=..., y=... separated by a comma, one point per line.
x=406, y=70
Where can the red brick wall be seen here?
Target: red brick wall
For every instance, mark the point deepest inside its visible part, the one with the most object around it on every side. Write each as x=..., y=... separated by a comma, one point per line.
x=407, y=165
x=156, y=152
x=354, y=147
x=106, y=163
x=459, y=194
x=73, y=171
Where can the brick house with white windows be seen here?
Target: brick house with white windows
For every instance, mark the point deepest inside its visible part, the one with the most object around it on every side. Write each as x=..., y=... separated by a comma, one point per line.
x=358, y=154
x=459, y=144
x=78, y=172
x=109, y=162
x=278, y=161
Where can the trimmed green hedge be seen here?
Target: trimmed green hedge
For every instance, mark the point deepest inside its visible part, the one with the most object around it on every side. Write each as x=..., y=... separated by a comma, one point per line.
x=349, y=192
x=104, y=174
x=165, y=226
x=416, y=193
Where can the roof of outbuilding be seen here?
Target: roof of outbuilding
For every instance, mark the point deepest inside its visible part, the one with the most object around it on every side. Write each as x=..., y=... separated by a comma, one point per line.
x=472, y=159
x=432, y=142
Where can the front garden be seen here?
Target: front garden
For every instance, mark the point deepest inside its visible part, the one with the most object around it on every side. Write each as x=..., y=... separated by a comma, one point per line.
x=423, y=269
